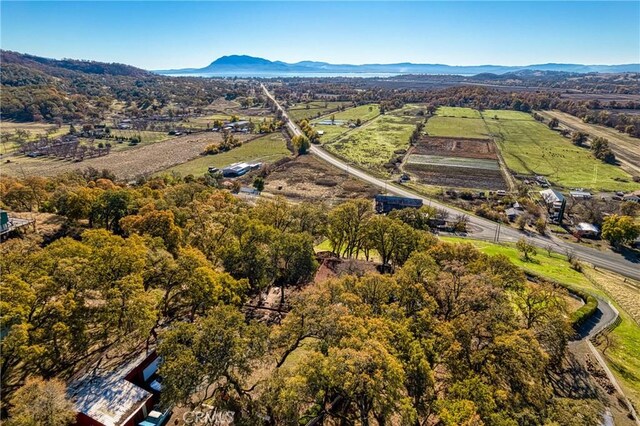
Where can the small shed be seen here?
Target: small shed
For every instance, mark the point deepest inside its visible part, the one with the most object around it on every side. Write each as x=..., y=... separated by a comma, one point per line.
x=580, y=195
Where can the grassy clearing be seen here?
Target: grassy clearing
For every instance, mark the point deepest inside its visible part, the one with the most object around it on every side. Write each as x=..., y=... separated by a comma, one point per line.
x=326, y=246
x=266, y=149
x=622, y=354
x=373, y=145
x=313, y=109
x=554, y=267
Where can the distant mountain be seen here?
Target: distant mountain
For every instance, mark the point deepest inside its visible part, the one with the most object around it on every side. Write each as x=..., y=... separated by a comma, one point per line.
x=246, y=65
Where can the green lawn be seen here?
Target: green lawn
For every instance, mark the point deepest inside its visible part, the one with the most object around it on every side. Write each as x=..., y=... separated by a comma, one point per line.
x=529, y=147
x=266, y=149
x=373, y=144
x=622, y=355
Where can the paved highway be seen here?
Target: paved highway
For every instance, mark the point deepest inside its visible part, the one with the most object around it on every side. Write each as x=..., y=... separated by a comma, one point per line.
x=480, y=228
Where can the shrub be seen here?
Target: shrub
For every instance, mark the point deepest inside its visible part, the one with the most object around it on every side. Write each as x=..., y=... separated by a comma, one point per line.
x=585, y=312
x=212, y=149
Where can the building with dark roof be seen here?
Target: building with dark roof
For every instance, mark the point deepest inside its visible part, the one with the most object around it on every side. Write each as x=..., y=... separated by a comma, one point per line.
x=387, y=203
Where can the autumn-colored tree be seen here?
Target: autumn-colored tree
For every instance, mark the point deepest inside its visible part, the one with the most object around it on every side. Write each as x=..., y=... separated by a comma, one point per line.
x=619, y=230
x=209, y=358
x=41, y=402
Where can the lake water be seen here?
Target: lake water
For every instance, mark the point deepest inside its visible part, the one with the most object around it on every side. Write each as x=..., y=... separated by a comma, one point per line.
x=258, y=74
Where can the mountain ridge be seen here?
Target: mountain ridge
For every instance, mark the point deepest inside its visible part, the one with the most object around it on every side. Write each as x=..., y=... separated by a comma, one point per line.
x=247, y=64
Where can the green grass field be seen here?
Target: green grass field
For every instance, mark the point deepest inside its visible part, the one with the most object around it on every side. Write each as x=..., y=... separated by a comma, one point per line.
x=313, y=109
x=458, y=112
x=622, y=355
x=363, y=112
x=147, y=137
x=373, y=144
x=332, y=132
x=202, y=122
x=456, y=126
x=530, y=147
x=266, y=149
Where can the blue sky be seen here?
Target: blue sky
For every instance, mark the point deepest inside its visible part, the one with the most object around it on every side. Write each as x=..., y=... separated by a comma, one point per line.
x=161, y=35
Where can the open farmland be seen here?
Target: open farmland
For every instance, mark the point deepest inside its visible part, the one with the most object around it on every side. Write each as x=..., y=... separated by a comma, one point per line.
x=126, y=164
x=206, y=121
x=343, y=119
x=306, y=178
x=626, y=147
x=33, y=131
x=459, y=147
x=313, y=109
x=529, y=147
x=456, y=172
x=456, y=127
x=265, y=149
x=363, y=112
x=146, y=137
x=458, y=112
x=374, y=144
x=456, y=162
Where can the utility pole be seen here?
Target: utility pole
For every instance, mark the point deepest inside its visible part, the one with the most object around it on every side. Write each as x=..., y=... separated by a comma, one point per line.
x=496, y=235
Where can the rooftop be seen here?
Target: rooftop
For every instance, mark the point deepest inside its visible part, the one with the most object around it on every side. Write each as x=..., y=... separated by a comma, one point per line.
x=552, y=196
x=584, y=226
x=105, y=395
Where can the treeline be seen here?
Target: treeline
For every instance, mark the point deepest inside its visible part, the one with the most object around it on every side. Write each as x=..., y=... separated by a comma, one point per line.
x=447, y=335
x=591, y=111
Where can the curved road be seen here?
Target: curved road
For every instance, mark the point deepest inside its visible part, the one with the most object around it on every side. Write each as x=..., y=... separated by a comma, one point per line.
x=482, y=228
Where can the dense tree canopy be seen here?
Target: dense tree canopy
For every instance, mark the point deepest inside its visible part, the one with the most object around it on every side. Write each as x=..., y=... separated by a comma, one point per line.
x=439, y=334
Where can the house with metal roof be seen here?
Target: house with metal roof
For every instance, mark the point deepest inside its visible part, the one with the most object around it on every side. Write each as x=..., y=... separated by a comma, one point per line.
x=555, y=203
x=587, y=230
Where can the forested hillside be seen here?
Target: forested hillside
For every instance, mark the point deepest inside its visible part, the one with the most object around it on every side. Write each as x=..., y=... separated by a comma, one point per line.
x=445, y=335
x=40, y=89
